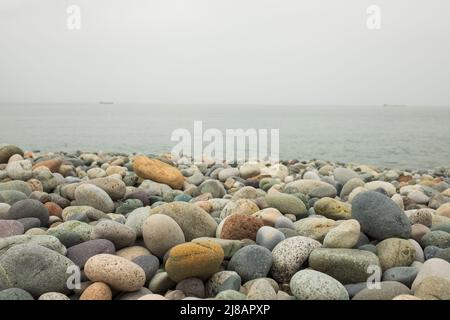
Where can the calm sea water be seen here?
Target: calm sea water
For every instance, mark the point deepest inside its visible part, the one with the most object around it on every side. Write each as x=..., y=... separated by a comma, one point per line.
x=409, y=137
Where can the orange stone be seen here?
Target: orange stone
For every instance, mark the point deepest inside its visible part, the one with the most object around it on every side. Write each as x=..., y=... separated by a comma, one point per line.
x=97, y=291
x=194, y=260
x=54, y=209
x=158, y=171
x=53, y=164
x=241, y=226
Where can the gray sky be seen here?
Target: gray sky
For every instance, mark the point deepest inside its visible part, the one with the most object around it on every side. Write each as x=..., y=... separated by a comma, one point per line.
x=226, y=51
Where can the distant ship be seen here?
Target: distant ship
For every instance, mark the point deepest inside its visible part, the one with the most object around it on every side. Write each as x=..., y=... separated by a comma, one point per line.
x=394, y=105
x=106, y=102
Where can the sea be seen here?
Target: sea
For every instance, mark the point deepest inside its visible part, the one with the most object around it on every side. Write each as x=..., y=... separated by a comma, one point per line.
x=400, y=137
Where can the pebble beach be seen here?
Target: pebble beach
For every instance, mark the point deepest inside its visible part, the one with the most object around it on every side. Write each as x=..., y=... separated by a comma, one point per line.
x=115, y=226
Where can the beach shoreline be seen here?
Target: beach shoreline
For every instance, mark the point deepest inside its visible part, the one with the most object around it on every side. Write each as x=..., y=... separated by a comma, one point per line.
x=103, y=226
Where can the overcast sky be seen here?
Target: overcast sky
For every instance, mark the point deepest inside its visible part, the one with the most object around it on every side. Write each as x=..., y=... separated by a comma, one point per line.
x=226, y=51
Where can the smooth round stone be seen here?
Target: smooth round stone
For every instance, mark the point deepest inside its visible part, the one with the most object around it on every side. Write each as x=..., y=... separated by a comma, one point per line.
x=160, y=233
x=81, y=253
x=395, y=252
x=283, y=222
x=53, y=296
x=418, y=197
x=245, y=193
x=132, y=252
x=432, y=267
x=139, y=195
x=93, y=196
x=97, y=291
x=332, y=209
x=250, y=169
x=136, y=218
x=194, y=221
x=418, y=231
x=431, y=251
x=386, y=186
x=422, y=216
x=7, y=151
x=350, y=185
x=10, y=228
x=119, y=273
x=149, y=264
x=175, y=295
x=53, y=209
x=15, y=294
x=194, y=260
x=433, y=288
x=214, y=187
x=240, y=206
x=47, y=241
x=314, y=227
x=161, y=282
x=228, y=173
x=119, y=234
x=115, y=188
x=192, y=287
x=323, y=191
x=230, y=295
x=440, y=239
x=222, y=281
x=444, y=210
x=251, y=262
x=269, y=216
x=269, y=237
x=16, y=185
x=380, y=217
x=47, y=179
x=305, y=186
x=345, y=235
x=343, y=175
x=388, y=291
x=289, y=255
x=96, y=173
x=314, y=285
x=35, y=269
x=12, y=196
x=19, y=170
x=345, y=265
x=90, y=213
x=29, y=223
x=29, y=209
x=287, y=204
x=405, y=275
x=71, y=233
x=240, y=226
x=261, y=290
x=196, y=179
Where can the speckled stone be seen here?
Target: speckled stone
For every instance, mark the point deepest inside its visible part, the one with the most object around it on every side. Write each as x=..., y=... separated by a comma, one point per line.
x=289, y=255
x=314, y=285
x=119, y=273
